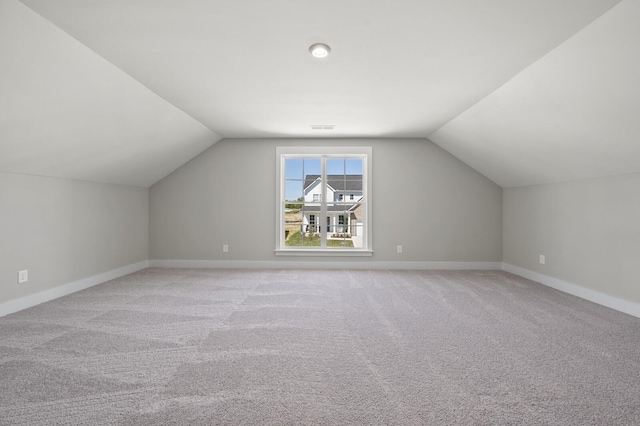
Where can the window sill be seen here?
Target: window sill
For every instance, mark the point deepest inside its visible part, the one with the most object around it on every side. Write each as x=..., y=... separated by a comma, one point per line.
x=323, y=252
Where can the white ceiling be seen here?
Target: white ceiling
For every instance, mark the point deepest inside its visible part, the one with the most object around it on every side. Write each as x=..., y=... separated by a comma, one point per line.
x=522, y=91
x=66, y=112
x=573, y=114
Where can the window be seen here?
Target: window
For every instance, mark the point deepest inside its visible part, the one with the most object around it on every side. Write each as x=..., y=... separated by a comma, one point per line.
x=311, y=184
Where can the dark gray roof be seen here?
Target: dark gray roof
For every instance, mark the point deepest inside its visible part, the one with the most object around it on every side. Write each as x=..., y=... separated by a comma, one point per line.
x=338, y=182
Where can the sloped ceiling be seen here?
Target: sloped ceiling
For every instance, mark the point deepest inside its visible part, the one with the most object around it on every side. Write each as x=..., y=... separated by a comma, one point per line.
x=67, y=112
x=137, y=87
x=573, y=114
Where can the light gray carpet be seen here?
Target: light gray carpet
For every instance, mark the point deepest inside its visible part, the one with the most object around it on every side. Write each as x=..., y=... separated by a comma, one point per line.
x=192, y=346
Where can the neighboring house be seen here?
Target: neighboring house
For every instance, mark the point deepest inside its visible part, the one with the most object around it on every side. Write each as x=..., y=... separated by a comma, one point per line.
x=344, y=192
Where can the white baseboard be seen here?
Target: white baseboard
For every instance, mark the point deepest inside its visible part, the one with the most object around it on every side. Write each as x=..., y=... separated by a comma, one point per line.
x=612, y=302
x=316, y=264
x=603, y=299
x=65, y=289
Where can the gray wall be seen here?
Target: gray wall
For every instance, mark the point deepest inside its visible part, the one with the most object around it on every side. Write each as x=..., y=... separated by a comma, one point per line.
x=437, y=207
x=64, y=230
x=589, y=231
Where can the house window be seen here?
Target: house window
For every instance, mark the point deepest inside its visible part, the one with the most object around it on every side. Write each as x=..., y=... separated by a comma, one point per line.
x=311, y=182
x=310, y=229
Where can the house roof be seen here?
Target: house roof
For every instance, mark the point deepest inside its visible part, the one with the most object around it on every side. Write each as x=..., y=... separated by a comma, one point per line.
x=122, y=91
x=337, y=182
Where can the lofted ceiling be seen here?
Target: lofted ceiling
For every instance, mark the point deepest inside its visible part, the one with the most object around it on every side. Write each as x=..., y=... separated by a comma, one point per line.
x=125, y=91
x=573, y=114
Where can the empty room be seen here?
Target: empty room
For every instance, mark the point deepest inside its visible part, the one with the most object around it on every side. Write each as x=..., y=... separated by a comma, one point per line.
x=340, y=212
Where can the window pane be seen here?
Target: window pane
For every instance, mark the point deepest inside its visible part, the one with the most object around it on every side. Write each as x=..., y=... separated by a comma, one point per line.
x=293, y=168
x=344, y=166
x=353, y=166
x=300, y=173
x=338, y=226
x=296, y=238
x=304, y=230
x=312, y=166
x=344, y=177
x=292, y=223
x=336, y=166
x=293, y=190
x=301, y=229
x=355, y=224
x=313, y=188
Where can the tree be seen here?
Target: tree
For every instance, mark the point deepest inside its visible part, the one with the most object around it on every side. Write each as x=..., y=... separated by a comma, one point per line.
x=294, y=206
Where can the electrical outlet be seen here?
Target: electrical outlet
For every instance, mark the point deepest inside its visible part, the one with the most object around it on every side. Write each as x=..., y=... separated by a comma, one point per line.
x=542, y=259
x=225, y=248
x=399, y=249
x=23, y=276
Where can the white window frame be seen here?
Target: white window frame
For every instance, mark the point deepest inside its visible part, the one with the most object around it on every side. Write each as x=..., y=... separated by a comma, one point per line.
x=363, y=152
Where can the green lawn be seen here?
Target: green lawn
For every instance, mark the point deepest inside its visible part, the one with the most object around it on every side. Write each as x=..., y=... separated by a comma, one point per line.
x=296, y=240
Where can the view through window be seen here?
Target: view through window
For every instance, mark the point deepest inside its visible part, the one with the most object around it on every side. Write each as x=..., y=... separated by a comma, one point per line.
x=328, y=188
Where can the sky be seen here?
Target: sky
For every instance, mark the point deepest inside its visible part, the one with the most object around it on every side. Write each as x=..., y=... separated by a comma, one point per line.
x=297, y=168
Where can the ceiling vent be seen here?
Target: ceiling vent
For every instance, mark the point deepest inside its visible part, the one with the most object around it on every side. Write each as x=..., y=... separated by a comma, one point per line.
x=322, y=126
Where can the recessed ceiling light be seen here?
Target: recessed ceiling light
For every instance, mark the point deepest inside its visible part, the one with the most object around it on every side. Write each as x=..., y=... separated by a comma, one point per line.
x=322, y=126
x=319, y=50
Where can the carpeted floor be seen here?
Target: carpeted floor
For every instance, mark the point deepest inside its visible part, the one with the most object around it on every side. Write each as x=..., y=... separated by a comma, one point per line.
x=194, y=346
